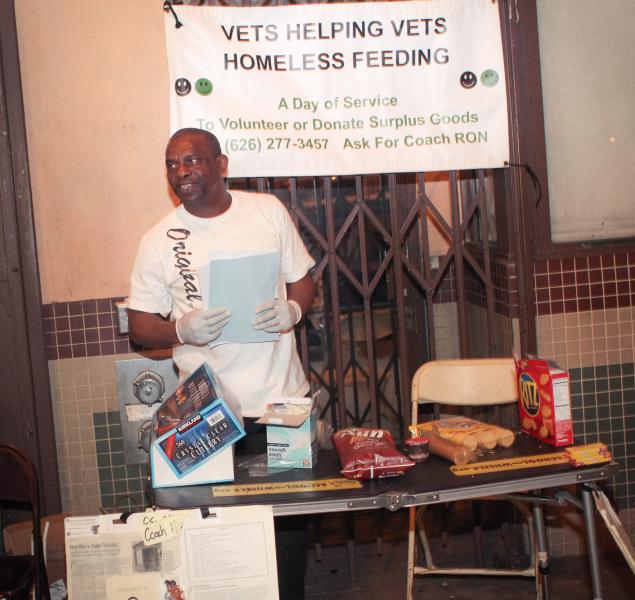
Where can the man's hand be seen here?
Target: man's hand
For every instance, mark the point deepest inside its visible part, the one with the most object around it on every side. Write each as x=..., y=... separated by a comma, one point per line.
x=277, y=315
x=202, y=326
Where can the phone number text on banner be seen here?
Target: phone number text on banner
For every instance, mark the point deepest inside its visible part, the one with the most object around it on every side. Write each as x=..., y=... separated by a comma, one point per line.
x=335, y=89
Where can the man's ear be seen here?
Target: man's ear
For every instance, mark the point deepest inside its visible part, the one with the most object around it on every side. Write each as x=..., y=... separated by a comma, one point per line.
x=222, y=162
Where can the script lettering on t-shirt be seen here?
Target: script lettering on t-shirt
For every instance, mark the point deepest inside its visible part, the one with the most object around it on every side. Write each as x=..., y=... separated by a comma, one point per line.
x=183, y=264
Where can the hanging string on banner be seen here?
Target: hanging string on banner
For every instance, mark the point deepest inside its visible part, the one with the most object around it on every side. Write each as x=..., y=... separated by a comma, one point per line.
x=167, y=7
x=534, y=179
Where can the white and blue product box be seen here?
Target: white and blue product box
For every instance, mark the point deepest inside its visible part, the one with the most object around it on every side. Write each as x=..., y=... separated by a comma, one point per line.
x=193, y=435
x=291, y=432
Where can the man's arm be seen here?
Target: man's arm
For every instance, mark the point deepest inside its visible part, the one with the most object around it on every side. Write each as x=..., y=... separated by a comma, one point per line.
x=302, y=292
x=151, y=330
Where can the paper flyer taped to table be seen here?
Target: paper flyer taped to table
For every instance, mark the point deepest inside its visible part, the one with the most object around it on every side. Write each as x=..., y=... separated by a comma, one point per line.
x=240, y=284
x=173, y=555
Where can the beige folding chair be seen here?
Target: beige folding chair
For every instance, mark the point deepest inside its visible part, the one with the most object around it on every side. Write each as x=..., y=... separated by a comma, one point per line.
x=467, y=383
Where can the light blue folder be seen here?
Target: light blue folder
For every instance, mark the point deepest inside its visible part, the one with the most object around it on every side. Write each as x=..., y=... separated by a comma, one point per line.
x=240, y=285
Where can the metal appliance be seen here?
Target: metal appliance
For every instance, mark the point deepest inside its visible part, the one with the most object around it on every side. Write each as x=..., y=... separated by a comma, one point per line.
x=142, y=384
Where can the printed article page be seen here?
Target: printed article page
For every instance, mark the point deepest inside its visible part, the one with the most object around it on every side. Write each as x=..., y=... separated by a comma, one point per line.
x=173, y=555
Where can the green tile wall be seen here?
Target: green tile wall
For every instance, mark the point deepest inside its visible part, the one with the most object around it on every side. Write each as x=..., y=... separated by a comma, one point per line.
x=122, y=487
x=603, y=409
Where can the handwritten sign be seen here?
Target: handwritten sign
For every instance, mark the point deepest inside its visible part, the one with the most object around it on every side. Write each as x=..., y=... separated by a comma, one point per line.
x=162, y=526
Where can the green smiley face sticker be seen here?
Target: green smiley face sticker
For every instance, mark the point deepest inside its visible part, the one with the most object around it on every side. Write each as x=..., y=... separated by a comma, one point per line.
x=489, y=78
x=203, y=86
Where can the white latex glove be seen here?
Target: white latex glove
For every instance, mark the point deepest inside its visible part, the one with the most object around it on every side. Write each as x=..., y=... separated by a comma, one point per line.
x=277, y=315
x=201, y=326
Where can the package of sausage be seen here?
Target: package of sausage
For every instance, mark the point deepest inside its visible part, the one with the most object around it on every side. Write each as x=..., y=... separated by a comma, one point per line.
x=369, y=454
x=475, y=435
x=456, y=453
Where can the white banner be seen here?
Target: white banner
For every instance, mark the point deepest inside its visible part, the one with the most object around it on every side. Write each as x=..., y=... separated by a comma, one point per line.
x=334, y=89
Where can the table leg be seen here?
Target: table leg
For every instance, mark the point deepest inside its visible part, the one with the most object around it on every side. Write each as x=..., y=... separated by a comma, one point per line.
x=350, y=544
x=542, y=556
x=594, y=558
x=317, y=522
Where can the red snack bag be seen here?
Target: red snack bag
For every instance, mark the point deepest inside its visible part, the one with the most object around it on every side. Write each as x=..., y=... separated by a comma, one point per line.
x=369, y=454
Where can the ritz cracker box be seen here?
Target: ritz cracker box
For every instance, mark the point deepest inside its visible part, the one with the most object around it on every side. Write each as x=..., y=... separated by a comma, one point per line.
x=544, y=401
x=193, y=433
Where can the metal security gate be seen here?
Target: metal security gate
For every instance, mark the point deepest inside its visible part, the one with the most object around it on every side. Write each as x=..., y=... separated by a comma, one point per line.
x=402, y=278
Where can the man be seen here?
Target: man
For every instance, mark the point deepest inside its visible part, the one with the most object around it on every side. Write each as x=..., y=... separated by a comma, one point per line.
x=165, y=283
x=165, y=306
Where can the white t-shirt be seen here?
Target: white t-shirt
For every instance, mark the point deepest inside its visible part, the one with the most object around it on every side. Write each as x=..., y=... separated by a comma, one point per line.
x=165, y=281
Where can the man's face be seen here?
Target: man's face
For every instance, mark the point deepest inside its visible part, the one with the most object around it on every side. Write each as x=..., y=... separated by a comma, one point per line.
x=195, y=172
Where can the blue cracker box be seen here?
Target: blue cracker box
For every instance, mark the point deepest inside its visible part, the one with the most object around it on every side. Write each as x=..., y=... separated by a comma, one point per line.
x=193, y=434
x=291, y=432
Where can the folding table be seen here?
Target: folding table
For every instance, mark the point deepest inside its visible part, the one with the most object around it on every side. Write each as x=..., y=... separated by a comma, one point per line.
x=312, y=491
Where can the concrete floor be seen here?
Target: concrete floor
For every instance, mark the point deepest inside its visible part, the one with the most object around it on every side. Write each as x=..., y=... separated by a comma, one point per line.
x=382, y=576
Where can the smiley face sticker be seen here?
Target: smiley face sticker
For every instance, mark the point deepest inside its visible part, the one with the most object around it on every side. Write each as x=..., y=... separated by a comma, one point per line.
x=468, y=80
x=182, y=87
x=203, y=86
x=489, y=78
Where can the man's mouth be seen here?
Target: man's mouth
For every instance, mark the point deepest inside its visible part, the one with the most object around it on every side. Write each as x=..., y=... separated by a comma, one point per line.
x=186, y=186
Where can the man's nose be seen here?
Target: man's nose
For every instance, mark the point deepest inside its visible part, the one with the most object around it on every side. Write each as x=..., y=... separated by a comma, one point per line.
x=182, y=170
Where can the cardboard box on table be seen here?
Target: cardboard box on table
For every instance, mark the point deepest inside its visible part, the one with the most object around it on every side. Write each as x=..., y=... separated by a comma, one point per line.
x=193, y=433
x=291, y=432
x=544, y=401
x=18, y=540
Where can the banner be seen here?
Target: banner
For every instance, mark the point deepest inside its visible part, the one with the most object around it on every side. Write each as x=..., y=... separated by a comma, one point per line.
x=335, y=89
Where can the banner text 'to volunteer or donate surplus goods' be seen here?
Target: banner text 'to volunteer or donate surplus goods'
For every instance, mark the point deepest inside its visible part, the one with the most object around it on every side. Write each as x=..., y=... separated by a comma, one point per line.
x=336, y=89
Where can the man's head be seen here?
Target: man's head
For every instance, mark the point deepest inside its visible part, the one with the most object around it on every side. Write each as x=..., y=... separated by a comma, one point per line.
x=195, y=170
